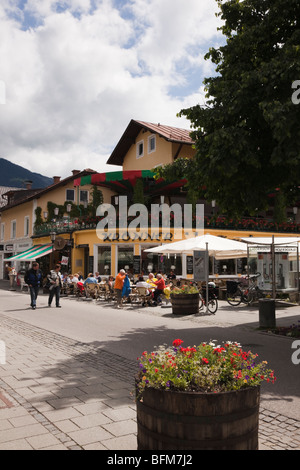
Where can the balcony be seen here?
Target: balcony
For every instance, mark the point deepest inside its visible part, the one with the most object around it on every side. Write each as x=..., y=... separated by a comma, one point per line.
x=216, y=222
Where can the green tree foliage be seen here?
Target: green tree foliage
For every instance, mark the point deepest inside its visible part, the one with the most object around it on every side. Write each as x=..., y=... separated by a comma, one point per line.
x=97, y=199
x=38, y=217
x=248, y=133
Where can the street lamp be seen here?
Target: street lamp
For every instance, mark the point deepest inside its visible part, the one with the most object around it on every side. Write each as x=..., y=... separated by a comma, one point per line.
x=56, y=211
x=213, y=205
x=53, y=236
x=295, y=211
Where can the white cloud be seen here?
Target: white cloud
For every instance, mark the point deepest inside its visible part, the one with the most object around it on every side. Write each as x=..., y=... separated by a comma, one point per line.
x=75, y=77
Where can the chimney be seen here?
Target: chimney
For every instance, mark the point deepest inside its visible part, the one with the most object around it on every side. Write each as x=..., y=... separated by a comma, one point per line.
x=75, y=172
x=56, y=179
x=28, y=184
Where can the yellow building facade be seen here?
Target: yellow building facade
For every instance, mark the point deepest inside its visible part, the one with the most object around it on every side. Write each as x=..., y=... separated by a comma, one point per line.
x=80, y=247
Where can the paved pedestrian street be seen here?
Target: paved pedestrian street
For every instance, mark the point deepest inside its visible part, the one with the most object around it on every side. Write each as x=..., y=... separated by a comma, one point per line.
x=62, y=396
x=57, y=393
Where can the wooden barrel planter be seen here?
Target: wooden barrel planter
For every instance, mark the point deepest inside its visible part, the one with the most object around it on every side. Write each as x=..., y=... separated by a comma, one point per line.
x=170, y=420
x=185, y=304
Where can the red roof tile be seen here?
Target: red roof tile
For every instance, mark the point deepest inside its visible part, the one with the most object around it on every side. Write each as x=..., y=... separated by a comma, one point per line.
x=172, y=134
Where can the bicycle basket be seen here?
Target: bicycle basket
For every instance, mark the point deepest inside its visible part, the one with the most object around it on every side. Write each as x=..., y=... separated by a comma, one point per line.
x=231, y=287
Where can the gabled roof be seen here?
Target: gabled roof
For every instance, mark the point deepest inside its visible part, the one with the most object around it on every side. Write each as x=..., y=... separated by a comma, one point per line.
x=171, y=134
x=29, y=195
x=4, y=190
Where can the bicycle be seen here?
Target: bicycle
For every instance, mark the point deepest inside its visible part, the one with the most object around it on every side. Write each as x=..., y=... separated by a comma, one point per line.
x=212, y=305
x=254, y=292
x=235, y=294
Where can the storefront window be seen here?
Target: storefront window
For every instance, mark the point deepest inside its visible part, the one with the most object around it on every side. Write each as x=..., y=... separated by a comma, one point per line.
x=104, y=260
x=125, y=258
x=156, y=263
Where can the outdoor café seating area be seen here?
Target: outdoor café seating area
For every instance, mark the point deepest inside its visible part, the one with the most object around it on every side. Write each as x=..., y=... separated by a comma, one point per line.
x=103, y=291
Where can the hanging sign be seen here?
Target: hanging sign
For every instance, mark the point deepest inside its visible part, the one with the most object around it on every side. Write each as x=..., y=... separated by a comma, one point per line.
x=200, y=265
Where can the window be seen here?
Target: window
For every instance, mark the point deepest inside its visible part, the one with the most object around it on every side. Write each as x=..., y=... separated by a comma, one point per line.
x=152, y=262
x=125, y=258
x=13, y=228
x=104, y=260
x=140, y=149
x=2, y=228
x=84, y=196
x=70, y=195
x=26, y=226
x=151, y=143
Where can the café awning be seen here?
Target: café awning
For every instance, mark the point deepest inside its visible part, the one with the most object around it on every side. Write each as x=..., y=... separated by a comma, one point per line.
x=32, y=254
x=124, y=181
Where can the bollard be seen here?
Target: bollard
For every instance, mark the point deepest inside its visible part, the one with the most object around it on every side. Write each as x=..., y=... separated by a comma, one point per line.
x=267, y=313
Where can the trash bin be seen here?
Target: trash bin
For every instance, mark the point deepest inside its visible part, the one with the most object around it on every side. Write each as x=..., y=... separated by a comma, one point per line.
x=267, y=317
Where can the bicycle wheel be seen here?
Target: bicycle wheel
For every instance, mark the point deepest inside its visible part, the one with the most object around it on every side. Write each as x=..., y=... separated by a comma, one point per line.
x=255, y=295
x=212, y=306
x=200, y=301
x=234, y=299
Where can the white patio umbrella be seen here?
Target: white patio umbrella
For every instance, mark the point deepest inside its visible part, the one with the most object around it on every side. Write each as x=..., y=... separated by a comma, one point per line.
x=270, y=240
x=219, y=247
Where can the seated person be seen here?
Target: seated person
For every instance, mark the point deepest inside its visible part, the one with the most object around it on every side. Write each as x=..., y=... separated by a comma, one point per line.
x=97, y=277
x=151, y=279
x=142, y=283
x=90, y=280
x=171, y=276
x=111, y=283
x=69, y=279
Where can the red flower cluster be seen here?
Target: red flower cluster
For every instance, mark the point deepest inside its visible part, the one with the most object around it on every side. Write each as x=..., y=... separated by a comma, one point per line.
x=177, y=342
x=188, y=351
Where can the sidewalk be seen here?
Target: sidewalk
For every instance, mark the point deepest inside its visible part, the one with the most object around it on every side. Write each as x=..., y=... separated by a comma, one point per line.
x=56, y=393
x=42, y=405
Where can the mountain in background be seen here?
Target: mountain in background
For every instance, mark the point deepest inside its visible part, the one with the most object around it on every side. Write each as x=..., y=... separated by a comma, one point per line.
x=13, y=175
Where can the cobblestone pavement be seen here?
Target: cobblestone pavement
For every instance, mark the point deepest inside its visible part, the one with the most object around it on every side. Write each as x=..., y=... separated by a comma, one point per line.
x=56, y=393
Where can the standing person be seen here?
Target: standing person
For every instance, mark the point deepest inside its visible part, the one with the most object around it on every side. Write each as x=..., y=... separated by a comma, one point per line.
x=55, y=285
x=160, y=286
x=119, y=286
x=33, y=278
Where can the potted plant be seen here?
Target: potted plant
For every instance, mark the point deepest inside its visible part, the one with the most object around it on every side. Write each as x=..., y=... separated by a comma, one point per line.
x=185, y=300
x=204, y=397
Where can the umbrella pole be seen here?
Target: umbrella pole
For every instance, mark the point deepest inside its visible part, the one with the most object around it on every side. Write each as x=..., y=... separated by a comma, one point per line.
x=273, y=269
x=207, y=274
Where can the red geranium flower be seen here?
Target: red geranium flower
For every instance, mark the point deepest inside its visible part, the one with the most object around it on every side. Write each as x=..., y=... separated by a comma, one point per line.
x=177, y=342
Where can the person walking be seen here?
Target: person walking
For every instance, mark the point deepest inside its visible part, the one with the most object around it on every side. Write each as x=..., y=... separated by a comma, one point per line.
x=119, y=286
x=33, y=278
x=55, y=285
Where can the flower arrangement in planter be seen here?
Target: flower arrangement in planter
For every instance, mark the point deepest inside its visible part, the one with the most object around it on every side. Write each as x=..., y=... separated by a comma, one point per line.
x=185, y=289
x=200, y=397
x=185, y=300
x=205, y=368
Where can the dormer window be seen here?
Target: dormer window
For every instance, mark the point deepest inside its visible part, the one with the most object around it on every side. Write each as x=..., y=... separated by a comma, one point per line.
x=151, y=143
x=140, y=149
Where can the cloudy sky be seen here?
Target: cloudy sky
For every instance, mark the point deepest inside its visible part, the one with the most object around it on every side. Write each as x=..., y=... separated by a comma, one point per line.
x=75, y=73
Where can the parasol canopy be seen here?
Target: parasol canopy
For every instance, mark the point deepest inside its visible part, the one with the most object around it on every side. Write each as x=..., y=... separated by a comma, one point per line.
x=219, y=247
